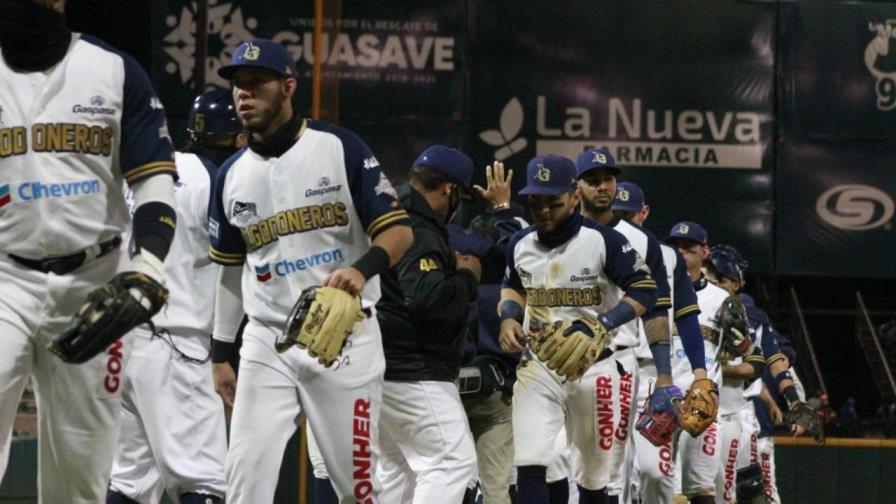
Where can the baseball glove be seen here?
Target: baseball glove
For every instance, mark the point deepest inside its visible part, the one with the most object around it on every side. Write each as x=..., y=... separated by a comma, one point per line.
x=110, y=312
x=659, y=419
x=570, y=347
x=801, y=414
x=320, y=322
x=699, y=408
x=735, y=329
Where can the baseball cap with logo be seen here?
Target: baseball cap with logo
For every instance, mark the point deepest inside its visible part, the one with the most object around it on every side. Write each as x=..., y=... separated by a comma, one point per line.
x=629, y=197
x=594, y=159
x=260, y=53
x=687, y=230
x=549, y=175
x=453, y=163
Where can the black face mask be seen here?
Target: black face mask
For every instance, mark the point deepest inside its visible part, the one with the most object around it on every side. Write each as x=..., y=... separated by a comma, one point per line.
x=280, y=141
x=32, y=37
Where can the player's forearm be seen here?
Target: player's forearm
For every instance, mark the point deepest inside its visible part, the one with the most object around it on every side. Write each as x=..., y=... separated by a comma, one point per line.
x=228, y=303
x=511, y=297
x=742, y=371
x=153, y=223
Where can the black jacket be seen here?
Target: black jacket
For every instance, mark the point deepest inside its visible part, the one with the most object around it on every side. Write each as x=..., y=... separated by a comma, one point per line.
x=423, y=308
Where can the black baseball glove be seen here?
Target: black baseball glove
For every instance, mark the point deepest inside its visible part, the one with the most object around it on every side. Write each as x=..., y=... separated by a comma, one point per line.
x=110, y=312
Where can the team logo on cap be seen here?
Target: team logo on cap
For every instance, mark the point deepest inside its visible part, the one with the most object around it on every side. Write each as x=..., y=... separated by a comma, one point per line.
x=623, y=195
x=599, y=157
x=252, y=52
x=543, y=174
x=683, y=228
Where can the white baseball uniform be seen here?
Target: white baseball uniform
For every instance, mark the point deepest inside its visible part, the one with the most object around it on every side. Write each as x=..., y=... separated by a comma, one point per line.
x=732, y=407
x=584, y=276
x=69, y=137
x=648, y=247
x=290, y=221
x=172, y=432
x=655, y=467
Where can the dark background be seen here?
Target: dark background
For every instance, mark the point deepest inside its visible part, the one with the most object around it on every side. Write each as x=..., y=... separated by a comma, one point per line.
x=805, y=87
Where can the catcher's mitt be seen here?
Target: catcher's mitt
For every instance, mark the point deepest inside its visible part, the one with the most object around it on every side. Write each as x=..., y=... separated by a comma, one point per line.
x=735, y=329
x=570, y=347
x=699, y=408
x=659, y=419
x=801, y=414
x=320, y=322
x=110, y=312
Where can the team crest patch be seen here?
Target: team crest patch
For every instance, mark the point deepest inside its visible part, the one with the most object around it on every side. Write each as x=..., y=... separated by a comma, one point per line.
x=252, y=52
x=385, y=187
x=525, y=276
x=244, y=214
x=622, y=195
x=543, y=174
x=683, y=228
x=263, y=273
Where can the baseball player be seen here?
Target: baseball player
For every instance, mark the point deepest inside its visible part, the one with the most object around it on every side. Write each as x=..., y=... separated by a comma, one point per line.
x=737, y=372
x=699, y=457
x=428, y=453
x=564, y=267
x=655, y=468
x=726, y=268
x=596, y=171
x=81, y=119
x=306, y=204
x=167, y=390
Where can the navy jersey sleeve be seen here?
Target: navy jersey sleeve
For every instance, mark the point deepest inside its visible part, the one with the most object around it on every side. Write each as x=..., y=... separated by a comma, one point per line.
x=374, y=197
x=145, y=145
x=511, y=275
x=226, y=244
x=654, y=261
x=685, y=296
x=625, y=267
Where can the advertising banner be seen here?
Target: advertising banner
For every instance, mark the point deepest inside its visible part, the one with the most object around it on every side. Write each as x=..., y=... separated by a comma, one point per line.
x=835, y=208
x=684, y=102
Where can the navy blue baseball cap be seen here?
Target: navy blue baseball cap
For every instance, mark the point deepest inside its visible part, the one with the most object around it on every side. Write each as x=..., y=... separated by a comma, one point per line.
x=549, y=175
x=594, y=159
x=452, y=162
x=260, y=53
x=687, y=230
x=629, y=197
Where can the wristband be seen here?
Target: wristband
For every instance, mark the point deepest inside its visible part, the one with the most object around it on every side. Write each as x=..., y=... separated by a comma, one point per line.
x=783, y=375
x=512, y=310
x=620, y=314
x=500, y=206
x=662, y=357
x=372, y=263
x=791, y=395
x=221, y=351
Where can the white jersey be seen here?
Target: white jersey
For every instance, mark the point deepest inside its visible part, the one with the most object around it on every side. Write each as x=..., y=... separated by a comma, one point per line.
x=190, y=275
x=586, y=275
x=292, y=220
x=66, y=144
x=682, y=299
x=755, y=387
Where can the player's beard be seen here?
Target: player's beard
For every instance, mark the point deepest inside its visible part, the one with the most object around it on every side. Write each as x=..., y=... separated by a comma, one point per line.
x=593, y=208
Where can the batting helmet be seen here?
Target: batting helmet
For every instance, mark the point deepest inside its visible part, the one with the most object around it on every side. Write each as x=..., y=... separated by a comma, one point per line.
x=213, y=113
x=727, y=262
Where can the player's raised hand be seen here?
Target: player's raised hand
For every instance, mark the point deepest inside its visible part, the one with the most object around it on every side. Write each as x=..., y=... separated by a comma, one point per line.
x=497, y=190
x=511, y=337
x=348, y=279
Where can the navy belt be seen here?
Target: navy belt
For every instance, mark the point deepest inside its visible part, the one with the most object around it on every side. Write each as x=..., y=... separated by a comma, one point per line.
x=66, y=264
